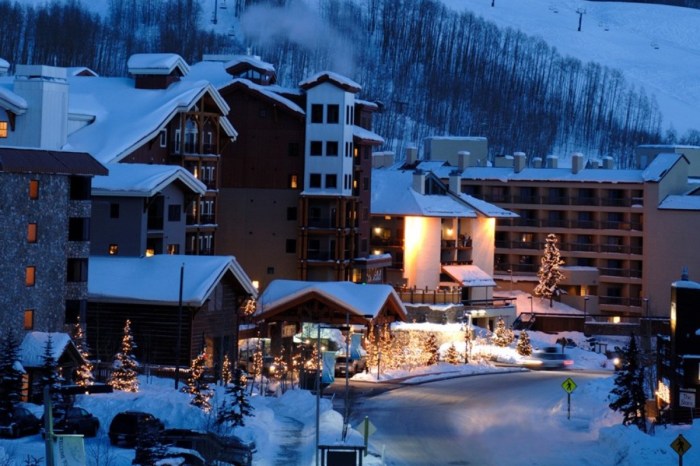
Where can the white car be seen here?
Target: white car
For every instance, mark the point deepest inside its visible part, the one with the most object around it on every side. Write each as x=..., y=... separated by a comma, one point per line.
x=548, y=358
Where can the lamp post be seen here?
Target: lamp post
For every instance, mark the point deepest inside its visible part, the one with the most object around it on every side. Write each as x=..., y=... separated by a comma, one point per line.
x=585, y=305
x=179, y=329
x=530, y=298
x=646, y=305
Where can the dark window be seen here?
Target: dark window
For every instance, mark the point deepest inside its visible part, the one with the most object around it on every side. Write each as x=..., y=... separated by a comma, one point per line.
x=316, y=113
x=315, y=180
x=291, y=213
x=75, y=310
x=331, y=181
x=77, y=270
x=365, y=183
x=333, y=114
x=79, y=229
x=174, y=211
x=332, y=148
x=270, y=270
x=290, y=246
x=293, y=149
x=79, y=188
x=114, y=210
x=316, y=148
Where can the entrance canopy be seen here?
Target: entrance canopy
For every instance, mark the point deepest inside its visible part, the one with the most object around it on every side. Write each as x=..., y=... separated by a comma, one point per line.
x=469, y=275
x=329, y=302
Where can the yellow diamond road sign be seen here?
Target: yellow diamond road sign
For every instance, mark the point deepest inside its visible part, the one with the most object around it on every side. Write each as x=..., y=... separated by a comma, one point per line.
x=569, y=385
x=681, y=445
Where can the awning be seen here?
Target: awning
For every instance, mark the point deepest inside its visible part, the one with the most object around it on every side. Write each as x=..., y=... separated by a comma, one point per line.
x=469, y=275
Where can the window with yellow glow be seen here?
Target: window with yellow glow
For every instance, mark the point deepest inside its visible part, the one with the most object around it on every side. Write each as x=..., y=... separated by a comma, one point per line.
x=31, y=233
x=29, y=319
x=113, y=249
x=34, y=189
x=3, y=129
x=293, y=181
x=30, y=276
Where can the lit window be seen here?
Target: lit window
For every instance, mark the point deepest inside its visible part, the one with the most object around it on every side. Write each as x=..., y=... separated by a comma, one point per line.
x=34, y=189
x=173, y=249
x=30, y=275
x=150, y=252
x=3, y=129
x=29, y=319
x=31, y=233
x=293, y=181
x=113, y=249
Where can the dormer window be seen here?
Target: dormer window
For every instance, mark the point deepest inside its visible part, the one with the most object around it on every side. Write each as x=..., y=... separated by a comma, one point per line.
x=3, y=129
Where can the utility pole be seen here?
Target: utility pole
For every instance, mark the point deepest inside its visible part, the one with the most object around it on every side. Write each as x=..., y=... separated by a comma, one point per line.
x=581, y=12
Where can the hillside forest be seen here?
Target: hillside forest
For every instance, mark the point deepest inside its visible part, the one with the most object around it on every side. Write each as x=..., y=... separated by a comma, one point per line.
x=434, y=71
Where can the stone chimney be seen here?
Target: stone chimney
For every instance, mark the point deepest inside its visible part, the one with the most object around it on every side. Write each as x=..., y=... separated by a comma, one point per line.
x=411, y=155
x=608, y=162
x=45, y=125
x=576, y=162
x=419, y=181
x=463, y=159
x=456, y=181
x=519, y=161
x=537, y=162
x=552, y=161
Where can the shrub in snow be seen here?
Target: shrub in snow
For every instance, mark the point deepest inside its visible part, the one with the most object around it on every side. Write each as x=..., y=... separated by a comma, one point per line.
x=431, y=349
x=502, y=336
x=235, y=407
x=451, y=355
x=524, y=347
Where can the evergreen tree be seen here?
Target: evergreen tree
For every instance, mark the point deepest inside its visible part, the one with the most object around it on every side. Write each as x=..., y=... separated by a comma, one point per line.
x=280, y=365
x=549, y=273
x=83, y=374
x=10, y=373
x=451, y=355
x=502, y=336
x=124, y=374
x=235, y=406
x=149, y=450
x=432, y=349
x=196, y=385
x=50, y=377
x=628, y=393
x=524, y=346
x=226, y=375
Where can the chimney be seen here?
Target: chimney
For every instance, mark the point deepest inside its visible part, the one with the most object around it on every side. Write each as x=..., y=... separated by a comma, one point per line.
x=576, y=162
x=4, y=67
x=419, y=181
x=411, y=155
x=456, y=181
x=382, y=159
x=552, y=161
x=45, y=88
x=519, y=161
x=594, y=163
x=537, y=162
x=608, y=162
x=503, y=161
x=463, y=159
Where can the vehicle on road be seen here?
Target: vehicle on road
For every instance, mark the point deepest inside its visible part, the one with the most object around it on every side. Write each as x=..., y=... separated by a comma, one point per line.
x=353, y=366
x=18, y=423
x=127, y=426
x=550, y=357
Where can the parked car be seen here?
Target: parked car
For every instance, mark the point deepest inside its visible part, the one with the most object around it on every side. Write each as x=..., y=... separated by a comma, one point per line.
x=127, y=426
x=18, y=423
x=354, y=365
x=550, y=357
x=212, y=447
x=77, y=421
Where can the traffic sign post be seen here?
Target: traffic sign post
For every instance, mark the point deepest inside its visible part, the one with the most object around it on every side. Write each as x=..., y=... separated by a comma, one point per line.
x=367, y=429
x=569, y=386
x=680, y=446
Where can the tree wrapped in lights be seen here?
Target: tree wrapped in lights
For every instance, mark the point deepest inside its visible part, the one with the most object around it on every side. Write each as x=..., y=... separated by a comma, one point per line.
x=83, y=374
x=502, y=336
x=226, y=375
x=628, y=392
x=196, y=386
x=452, y=355
x=549, y=273
x=385, y=349
x=398, y=353
x=414, y=351
x=255, y=369
x=235, y=407
x=432, y=350
x=524, y=347
x=280, y=366
x=124, y=374
x=372, y=347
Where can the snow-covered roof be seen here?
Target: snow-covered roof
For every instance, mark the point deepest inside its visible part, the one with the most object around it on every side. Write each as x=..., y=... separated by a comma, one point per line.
x=156, y=279
x=680, y=202
x=253, y=61
x=686, y=284
x=157, y=63
x=329, y=76
x=11, y=101
x=592, y=175
x=366, y=135
x=126, y=117
x=33, y=345
x=267, y=92
x=486, y=208
x=141, y=180
x=661, y=164
x=469, y=275
x=4, y=64
x=393, y=194
x=359, y=299
x=367, y=104
x=80, y=71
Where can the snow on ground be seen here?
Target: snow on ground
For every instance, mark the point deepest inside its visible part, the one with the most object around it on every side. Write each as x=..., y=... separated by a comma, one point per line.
x=289, y=418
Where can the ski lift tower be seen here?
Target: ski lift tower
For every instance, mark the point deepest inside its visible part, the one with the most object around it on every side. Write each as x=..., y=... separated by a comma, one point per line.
x=581, y=12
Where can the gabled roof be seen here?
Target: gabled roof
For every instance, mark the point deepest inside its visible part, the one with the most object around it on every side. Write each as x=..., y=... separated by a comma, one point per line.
x=358, y=300
x=141, y=180
x=23, y=160
x=660, y=166
x=156, y=280
x=33, y=345
x=366, y=136
x=240, y=63
x=393, y=194
x=157, y=63
x=80, y=71
x=125, y=117
x=266, y=93
x=342, y=82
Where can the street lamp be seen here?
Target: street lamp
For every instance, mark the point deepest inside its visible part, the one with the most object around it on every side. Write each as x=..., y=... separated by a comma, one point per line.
x=585, y=304
x=530, y=298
